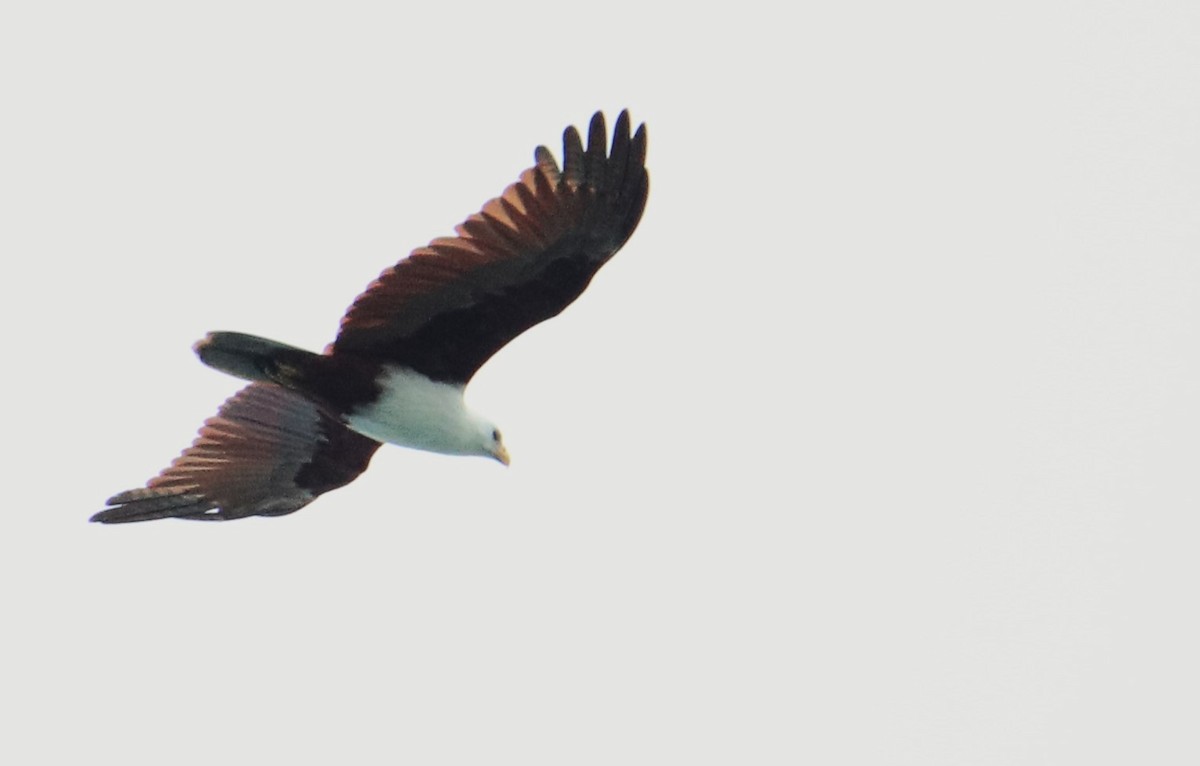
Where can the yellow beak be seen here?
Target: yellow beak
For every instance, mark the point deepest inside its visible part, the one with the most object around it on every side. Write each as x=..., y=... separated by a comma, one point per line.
x=501, y=454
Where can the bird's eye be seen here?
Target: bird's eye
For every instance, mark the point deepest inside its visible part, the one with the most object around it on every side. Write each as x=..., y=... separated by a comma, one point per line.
x=495, y=434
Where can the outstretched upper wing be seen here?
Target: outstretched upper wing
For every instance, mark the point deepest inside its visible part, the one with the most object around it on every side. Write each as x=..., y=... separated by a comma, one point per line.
x=267, y=452
x=449, y=306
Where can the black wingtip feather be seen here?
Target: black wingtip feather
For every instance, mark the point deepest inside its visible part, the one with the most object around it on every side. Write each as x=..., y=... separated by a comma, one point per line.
x=638, y=146
x=619, y=156
x=147, y=505
x=597, y=148
x=546, y=162
x=573, y=169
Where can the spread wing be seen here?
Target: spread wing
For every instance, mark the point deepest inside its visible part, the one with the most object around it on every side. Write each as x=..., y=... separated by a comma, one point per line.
x=449, y=306
x=266, y=452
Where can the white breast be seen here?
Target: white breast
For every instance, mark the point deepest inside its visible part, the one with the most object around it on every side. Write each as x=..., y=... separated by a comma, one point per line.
x=414, y=411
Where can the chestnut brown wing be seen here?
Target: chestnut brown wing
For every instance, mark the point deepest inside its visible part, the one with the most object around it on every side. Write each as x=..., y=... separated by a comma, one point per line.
x=267, y=452
x=529, y=253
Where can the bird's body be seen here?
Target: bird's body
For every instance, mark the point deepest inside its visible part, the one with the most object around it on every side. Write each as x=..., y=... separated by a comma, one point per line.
x=388, y=402
x=414, y=411
x=407, y=347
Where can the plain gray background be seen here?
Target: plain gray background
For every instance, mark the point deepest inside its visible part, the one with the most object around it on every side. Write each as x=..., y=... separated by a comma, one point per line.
x=876, y=445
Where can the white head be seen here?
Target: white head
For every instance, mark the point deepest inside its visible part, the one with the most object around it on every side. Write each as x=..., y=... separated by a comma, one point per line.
x=490, y=442
x=414, y=411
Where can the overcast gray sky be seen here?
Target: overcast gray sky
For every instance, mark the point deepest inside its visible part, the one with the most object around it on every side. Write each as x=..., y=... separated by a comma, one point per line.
x=877, y=444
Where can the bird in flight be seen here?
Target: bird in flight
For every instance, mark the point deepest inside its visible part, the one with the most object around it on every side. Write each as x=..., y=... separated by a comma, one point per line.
x=407, y=347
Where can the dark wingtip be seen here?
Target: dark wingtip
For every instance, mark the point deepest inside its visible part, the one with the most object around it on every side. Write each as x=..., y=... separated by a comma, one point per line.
x=597, y=148
x=621, y=128
x=546, y=163
x=120, y=515
x=573, y=160
x=639, y=145
x=148, y=504
x=597, y=134
x=110, y=515
x=586, y=164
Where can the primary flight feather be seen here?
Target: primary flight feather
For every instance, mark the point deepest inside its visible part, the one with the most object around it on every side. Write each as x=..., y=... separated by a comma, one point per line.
x=407, y=347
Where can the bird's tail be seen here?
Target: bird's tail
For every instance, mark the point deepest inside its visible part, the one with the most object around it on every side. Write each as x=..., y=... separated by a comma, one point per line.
x=250, y=357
